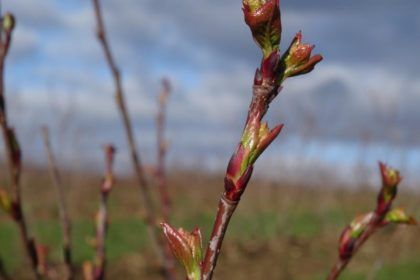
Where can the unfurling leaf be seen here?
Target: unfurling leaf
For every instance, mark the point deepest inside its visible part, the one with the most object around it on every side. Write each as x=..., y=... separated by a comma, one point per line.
x=187, y=249
x=297, y=60
x=390, y=180
x=398, y=216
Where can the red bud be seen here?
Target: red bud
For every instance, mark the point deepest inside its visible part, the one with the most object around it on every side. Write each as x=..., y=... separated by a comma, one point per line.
x=297, y=59
x=263, y=18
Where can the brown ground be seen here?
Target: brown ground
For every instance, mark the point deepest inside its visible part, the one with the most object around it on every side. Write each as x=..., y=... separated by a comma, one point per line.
x=278, y=232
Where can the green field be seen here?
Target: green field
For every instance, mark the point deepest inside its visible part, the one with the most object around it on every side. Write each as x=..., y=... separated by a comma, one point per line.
x=278, y=232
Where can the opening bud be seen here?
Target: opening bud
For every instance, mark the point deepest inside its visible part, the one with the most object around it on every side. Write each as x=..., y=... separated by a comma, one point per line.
x=186, y=248
x=297, y=59
x=399, y=216
x=255, y=140
x=390, y=177
x=263, y=18
x=266, y=136
x=390, y=180
x=8, y=22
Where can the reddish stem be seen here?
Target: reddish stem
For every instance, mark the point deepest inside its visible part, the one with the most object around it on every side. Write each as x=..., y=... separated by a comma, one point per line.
x=224, y=213
x=102, y=216
x=236, y=179
x=340, y=265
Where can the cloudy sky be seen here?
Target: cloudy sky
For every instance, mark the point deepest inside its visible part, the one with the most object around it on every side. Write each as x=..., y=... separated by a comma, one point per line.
x=360, y=105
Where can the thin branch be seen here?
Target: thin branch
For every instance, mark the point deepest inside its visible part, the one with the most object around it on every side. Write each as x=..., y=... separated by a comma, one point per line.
x=102, y=216
x=363, y=226
x=341, y=264
x=237, y=177
x=263, y=18
x=62, y=206
x=161, y=150
x=12, y=148
x=150, y=219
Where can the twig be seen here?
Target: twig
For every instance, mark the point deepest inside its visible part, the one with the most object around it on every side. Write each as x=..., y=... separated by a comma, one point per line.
x=161, y=149
x=102, y=216
x=12, y=148
x=342, y=263
x=363, y=226
x=62, y=206
x=234, y=189
x=263, y=18
x=150, y=218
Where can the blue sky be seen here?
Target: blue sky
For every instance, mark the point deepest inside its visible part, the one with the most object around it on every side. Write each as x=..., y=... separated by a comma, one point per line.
x=360, y=105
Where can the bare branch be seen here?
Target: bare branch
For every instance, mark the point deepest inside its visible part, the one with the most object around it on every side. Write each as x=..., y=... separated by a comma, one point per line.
x=161, y=149
x=62, y=206
x=150, y=218
x=12, y=148
x=102, y=215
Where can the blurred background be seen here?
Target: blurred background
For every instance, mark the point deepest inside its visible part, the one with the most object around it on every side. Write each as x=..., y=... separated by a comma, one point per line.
x=360, y=105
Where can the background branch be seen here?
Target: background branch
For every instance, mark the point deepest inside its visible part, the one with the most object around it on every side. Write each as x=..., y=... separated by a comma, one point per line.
x=162, y=148
x=150, y=219
x=102, y=216
x=341, y=264
x=12, y=148
x=62, y=205
x=363, y=226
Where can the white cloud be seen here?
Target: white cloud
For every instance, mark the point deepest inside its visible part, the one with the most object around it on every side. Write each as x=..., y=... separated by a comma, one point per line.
x=57, y=68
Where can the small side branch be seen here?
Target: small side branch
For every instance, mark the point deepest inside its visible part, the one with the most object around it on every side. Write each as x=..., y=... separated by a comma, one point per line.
x=62, y=206
x=362, y=227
